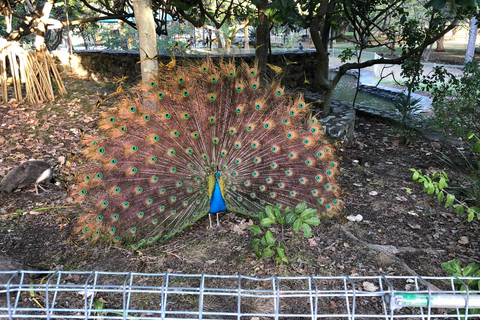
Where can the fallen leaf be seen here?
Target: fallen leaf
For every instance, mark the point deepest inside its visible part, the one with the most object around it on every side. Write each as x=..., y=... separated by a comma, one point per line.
x=368, y=286
x=414, y=226
x=373, y=193
x=463, y=240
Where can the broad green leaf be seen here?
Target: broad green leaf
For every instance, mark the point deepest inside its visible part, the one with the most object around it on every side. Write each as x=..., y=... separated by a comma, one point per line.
x=308, y=213
x=270, y=213
x=476, y=147
x=430, y=189
x=254, y=241
x=459, y=209
x=470, y=135
x=281, y=254
x=469, y=271
x=267, y=222
x=416, y=175
x=314, y=221
x=307, y=231
x=440, y=196
x=435, y=175
x=291, y=217
x=257, y=251
x=261, y=215
x=471, y=215
x=442, y=183
x=300, y=207
x=268, y=252
x=279, y=216
x=297, y=225
x=269, y=238
x=97, y=304
x=255, y=229
x=453, y=267
x=264, y=241
x=450, y=199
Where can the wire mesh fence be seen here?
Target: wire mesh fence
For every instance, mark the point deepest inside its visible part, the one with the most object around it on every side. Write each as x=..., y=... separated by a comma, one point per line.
x=119, y=295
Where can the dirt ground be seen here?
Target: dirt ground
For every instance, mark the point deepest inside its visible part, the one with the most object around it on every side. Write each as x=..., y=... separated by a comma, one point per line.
x=403, y=231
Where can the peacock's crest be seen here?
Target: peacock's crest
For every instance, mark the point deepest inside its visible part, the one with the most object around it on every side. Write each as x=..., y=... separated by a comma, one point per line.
x=194, y=134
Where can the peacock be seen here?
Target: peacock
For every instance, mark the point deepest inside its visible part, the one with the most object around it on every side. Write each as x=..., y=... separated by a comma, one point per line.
x=200, y=139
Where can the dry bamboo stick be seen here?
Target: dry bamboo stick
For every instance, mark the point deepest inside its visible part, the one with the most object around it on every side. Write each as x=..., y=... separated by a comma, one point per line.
x=49, y=88
x=37, y=84
x=30, y=87
x=61, y=87
x=3, y=77
x=17, y=86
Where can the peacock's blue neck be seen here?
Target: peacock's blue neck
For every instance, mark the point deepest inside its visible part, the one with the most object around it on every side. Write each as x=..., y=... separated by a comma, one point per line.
x=217, y=203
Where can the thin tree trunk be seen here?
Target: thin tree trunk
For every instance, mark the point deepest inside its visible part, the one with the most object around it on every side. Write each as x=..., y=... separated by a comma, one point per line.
x=471, y=40
x=247, y=39
x=148, y=38
x=263, y=29
x=42, y=25
x=440, y=46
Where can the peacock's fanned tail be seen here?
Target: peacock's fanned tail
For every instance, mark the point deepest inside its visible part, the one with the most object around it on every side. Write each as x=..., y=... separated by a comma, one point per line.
x=153, y=171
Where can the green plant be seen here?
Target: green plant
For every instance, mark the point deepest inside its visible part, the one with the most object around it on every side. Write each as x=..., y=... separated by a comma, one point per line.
x=437, y=184
x=268, y=246
x=407, y=108
x=454, y=268
x=455, y=100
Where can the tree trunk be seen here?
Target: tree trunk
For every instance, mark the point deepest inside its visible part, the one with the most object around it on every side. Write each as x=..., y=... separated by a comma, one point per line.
x=454, y=34
x=440, y=46
x=320, y=41
x=42, y=25
x=247, y=39
x=147, y=38
x=471, y=40
x=263, y=30
x=219, y=41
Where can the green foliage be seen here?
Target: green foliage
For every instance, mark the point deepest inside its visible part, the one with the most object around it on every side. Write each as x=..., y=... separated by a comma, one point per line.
x=300, y=218
x=407, y=106
x=438, y=184
x=454, y=268
x=346, y=55
x=455, y=100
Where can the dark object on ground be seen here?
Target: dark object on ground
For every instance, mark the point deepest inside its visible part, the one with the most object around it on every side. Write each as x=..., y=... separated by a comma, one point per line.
x=26, y=174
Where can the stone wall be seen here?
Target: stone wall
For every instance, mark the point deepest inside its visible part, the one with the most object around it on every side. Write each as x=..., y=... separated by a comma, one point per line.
x=111, y=63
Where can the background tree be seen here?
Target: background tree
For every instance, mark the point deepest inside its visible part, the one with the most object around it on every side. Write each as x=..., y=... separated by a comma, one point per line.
x=368, y=21
x=472, y=37
x=146, y=32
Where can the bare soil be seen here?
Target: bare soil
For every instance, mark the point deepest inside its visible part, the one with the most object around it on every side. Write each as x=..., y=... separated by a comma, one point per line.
x=403, y=230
